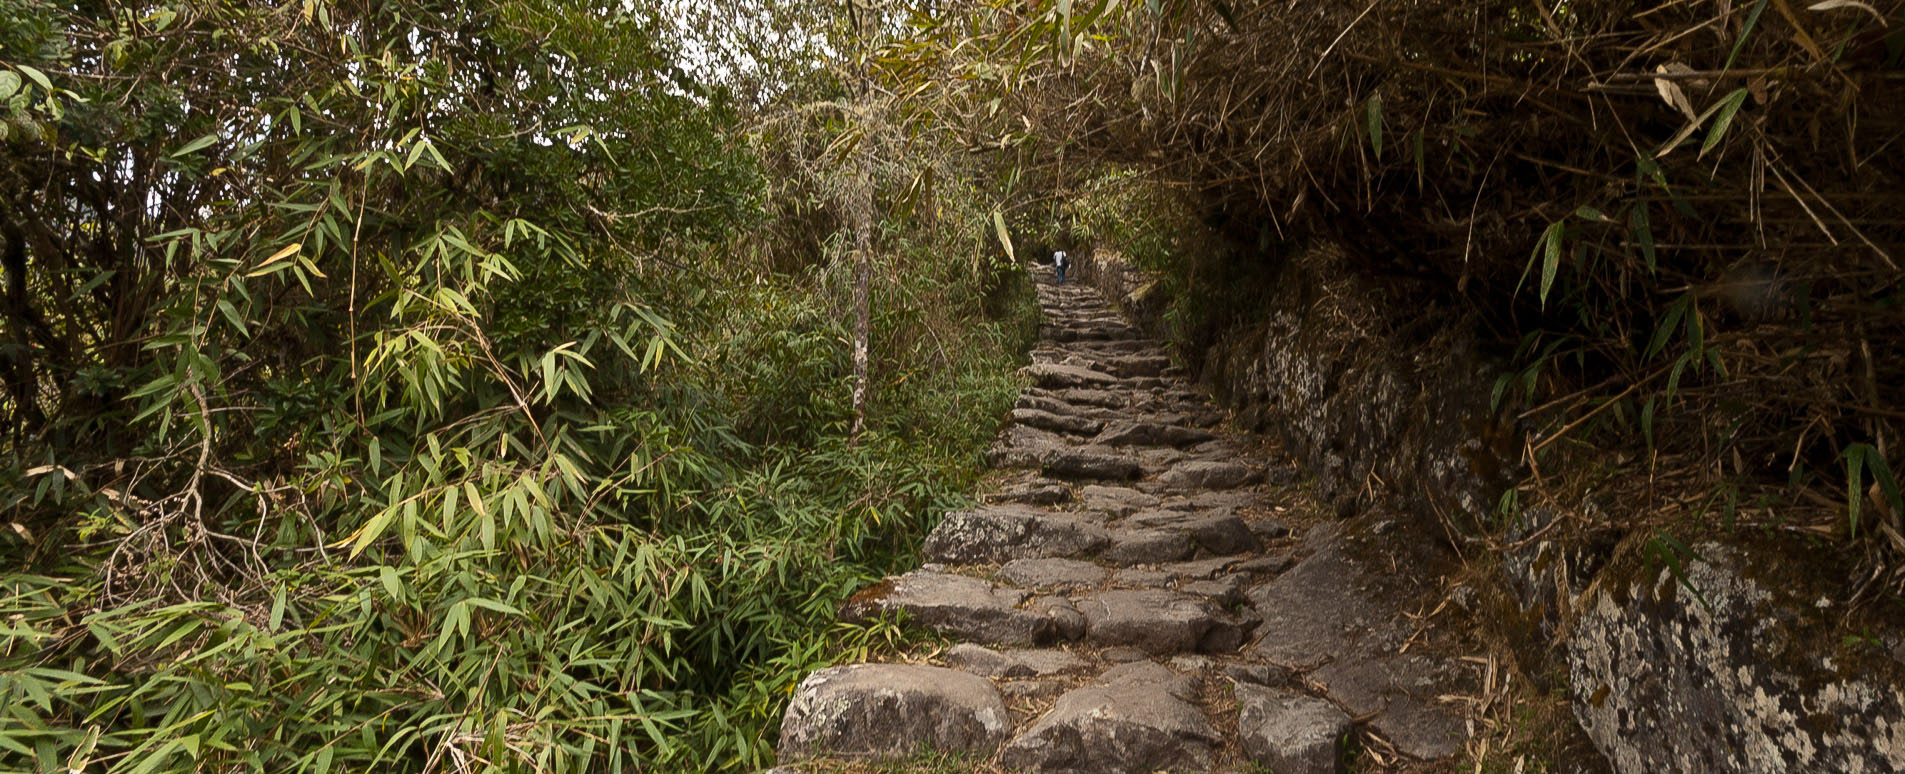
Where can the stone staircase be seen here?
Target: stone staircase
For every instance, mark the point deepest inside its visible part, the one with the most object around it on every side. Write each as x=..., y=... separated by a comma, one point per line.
x=1143, y=592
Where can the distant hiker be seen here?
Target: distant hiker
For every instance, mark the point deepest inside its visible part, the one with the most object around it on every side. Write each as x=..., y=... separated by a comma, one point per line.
x=1059, y=263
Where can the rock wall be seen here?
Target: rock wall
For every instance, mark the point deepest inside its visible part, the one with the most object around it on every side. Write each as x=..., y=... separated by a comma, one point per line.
x=1374, y=393
x=1727, y=666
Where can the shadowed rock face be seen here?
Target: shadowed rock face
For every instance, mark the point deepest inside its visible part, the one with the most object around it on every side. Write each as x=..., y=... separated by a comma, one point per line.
x=1754, y=679
x=1335, y=615
x=1665, y=681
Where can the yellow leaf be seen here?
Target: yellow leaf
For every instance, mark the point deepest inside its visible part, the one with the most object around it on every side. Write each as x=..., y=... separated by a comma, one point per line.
x=286, y=251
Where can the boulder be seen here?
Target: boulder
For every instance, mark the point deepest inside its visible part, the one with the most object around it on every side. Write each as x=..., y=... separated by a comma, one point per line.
x=954, y=605
x=1291, y=733
x=1055, y=376
x=1160, y=622
x=1057, y=423
x=1741, y=663
x=892, y=711
x=1204, y=474
x=1002, y=533
x=1133, y=720
x=1084, y=464
x=1150, y=434
x=1148, y=546
x=1118, y=501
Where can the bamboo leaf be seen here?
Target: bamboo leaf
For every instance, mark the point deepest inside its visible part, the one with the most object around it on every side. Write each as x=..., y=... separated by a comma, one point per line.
x=1729, y=107
x=1643, y=233
x=1855, y=486
x=196, y=145
x=1005, y=236
x=1373, y=109
x=1752, y=20
x=1551, y=262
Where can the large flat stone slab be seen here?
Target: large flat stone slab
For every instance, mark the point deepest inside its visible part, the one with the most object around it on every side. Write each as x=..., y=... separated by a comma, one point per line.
x=1219, y=533
x=1208, y=474
x=955, y=605
x=1057, y=423
x=1151, y=434
x=1067, y=463
x=1160, y=622
x=1057, y=377
x=981, y=660
x=1050, y=572
x=1401, y=696
x=892, y=711
x=1148, y=546
x=1133, y=720
x=1005, y=532
x=1343, y=618
x=1117, y=501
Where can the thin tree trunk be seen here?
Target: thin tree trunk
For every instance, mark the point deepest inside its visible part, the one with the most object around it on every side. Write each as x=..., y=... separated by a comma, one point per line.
x=862, y=291
x=862, y=205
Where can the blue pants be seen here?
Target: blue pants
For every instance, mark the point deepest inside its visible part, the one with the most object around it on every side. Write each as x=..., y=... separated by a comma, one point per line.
x=1061, y=273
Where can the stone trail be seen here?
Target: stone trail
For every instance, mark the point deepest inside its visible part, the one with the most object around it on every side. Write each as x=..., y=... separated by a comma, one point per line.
x=1131, y=598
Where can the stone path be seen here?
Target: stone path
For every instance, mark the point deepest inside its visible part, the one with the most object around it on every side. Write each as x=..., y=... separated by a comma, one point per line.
x=1131, y=598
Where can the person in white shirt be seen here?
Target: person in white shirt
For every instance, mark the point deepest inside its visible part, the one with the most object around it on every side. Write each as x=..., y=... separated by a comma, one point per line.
x=1060, y=263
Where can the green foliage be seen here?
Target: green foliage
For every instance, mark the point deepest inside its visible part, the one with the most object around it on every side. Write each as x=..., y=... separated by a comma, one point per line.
x=386, y=387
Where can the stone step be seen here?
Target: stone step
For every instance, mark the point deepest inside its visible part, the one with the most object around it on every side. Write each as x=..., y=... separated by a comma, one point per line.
x=1001, y=533
x=892, y=710
x=1162, y=622
x=1131, y=541
x=1134, y=719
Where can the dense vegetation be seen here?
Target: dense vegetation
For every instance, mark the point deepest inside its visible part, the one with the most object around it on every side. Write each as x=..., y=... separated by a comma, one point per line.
x=467, y=387
x=1677, y=224
x=434, y=386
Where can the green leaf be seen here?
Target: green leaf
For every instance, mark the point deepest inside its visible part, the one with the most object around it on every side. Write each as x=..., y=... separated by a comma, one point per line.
x=490, y=604
x=1667, y=325
x=231, y=315
x=1728, y=108
x=1696, y=328
x=1063, y=32
x=9, y=83
x=1647, y=422
x=1752, y=20
x=196, y=145
x=372, y=530
x=1552, y=261
x=1373, y=110
x=37, y=76
x=1643, y=233
x=1854, y=484
x=1888, y=484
